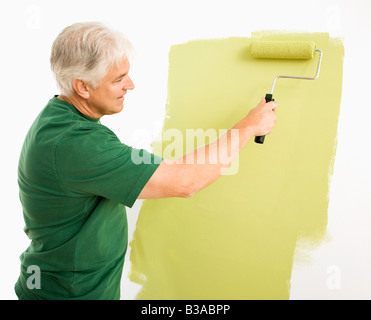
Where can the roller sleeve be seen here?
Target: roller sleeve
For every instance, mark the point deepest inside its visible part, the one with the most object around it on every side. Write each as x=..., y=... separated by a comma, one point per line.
x=282, y=49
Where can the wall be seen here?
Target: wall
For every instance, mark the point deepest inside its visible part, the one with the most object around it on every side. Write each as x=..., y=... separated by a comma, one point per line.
x=338, y=268
x=237, y=239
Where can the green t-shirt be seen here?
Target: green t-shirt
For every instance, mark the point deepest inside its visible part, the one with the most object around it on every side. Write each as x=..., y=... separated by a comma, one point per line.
x=75, y=179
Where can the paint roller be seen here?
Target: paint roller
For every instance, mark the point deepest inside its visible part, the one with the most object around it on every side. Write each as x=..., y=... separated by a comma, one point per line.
x=284, y=50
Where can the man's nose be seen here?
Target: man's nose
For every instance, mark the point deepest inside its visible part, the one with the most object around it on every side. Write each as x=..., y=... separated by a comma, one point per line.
x=129, y=84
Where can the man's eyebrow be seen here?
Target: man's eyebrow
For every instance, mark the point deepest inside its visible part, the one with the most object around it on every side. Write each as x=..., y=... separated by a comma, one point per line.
x=120, y=76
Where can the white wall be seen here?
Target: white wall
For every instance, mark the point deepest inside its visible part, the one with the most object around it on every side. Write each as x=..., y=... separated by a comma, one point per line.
x=338, y=269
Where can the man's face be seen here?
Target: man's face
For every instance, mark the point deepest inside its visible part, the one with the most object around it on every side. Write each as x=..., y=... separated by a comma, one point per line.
x=108, y=97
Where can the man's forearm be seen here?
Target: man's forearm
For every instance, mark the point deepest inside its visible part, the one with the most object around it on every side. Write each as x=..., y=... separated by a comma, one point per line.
x=204, y=165
x=197, y=169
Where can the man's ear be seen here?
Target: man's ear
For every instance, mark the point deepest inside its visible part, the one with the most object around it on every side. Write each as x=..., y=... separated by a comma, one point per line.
x=81, y=88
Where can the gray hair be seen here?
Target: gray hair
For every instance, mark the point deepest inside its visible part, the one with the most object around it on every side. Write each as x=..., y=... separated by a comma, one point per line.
x=87, y=51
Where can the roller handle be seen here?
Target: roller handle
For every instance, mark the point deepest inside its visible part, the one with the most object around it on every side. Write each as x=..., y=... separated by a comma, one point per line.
x=260, y=139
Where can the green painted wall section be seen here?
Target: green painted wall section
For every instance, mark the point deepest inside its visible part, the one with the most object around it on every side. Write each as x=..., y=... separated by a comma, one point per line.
x=236, y=239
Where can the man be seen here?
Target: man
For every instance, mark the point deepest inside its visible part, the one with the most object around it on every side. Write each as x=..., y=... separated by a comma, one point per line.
x=76, y=177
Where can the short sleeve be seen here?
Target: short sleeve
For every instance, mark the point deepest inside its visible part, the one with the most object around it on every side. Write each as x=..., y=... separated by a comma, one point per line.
x=91, y=160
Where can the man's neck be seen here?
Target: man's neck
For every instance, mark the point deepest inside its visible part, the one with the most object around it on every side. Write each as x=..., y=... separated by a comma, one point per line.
x=80, y=104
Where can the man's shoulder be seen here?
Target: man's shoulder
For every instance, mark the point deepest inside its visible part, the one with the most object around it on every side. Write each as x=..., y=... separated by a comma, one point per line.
x=61, y=120
x=67, y=131
x=87, y=139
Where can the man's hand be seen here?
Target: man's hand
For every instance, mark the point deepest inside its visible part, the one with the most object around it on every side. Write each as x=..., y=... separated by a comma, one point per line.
x=262, y=118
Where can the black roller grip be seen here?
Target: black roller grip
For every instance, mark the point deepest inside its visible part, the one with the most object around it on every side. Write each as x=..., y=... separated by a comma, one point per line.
x=260, y=139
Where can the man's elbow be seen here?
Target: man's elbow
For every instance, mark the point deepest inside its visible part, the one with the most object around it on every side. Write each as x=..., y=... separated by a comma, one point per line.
x=192, y=186
x=188, y=190
x=189, y=194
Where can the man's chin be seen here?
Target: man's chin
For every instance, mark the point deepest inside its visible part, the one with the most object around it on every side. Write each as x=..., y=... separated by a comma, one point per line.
x=120, y=107
x=117, y=109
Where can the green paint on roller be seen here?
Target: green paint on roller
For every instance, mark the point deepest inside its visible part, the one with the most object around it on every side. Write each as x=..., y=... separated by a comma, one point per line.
x=237, y=238
x=282, y=49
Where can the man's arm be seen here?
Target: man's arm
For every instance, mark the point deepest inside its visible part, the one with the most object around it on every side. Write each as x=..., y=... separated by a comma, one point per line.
x=177, y=178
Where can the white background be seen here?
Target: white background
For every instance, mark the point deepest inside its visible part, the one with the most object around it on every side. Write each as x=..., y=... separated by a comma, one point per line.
x=340, y=267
